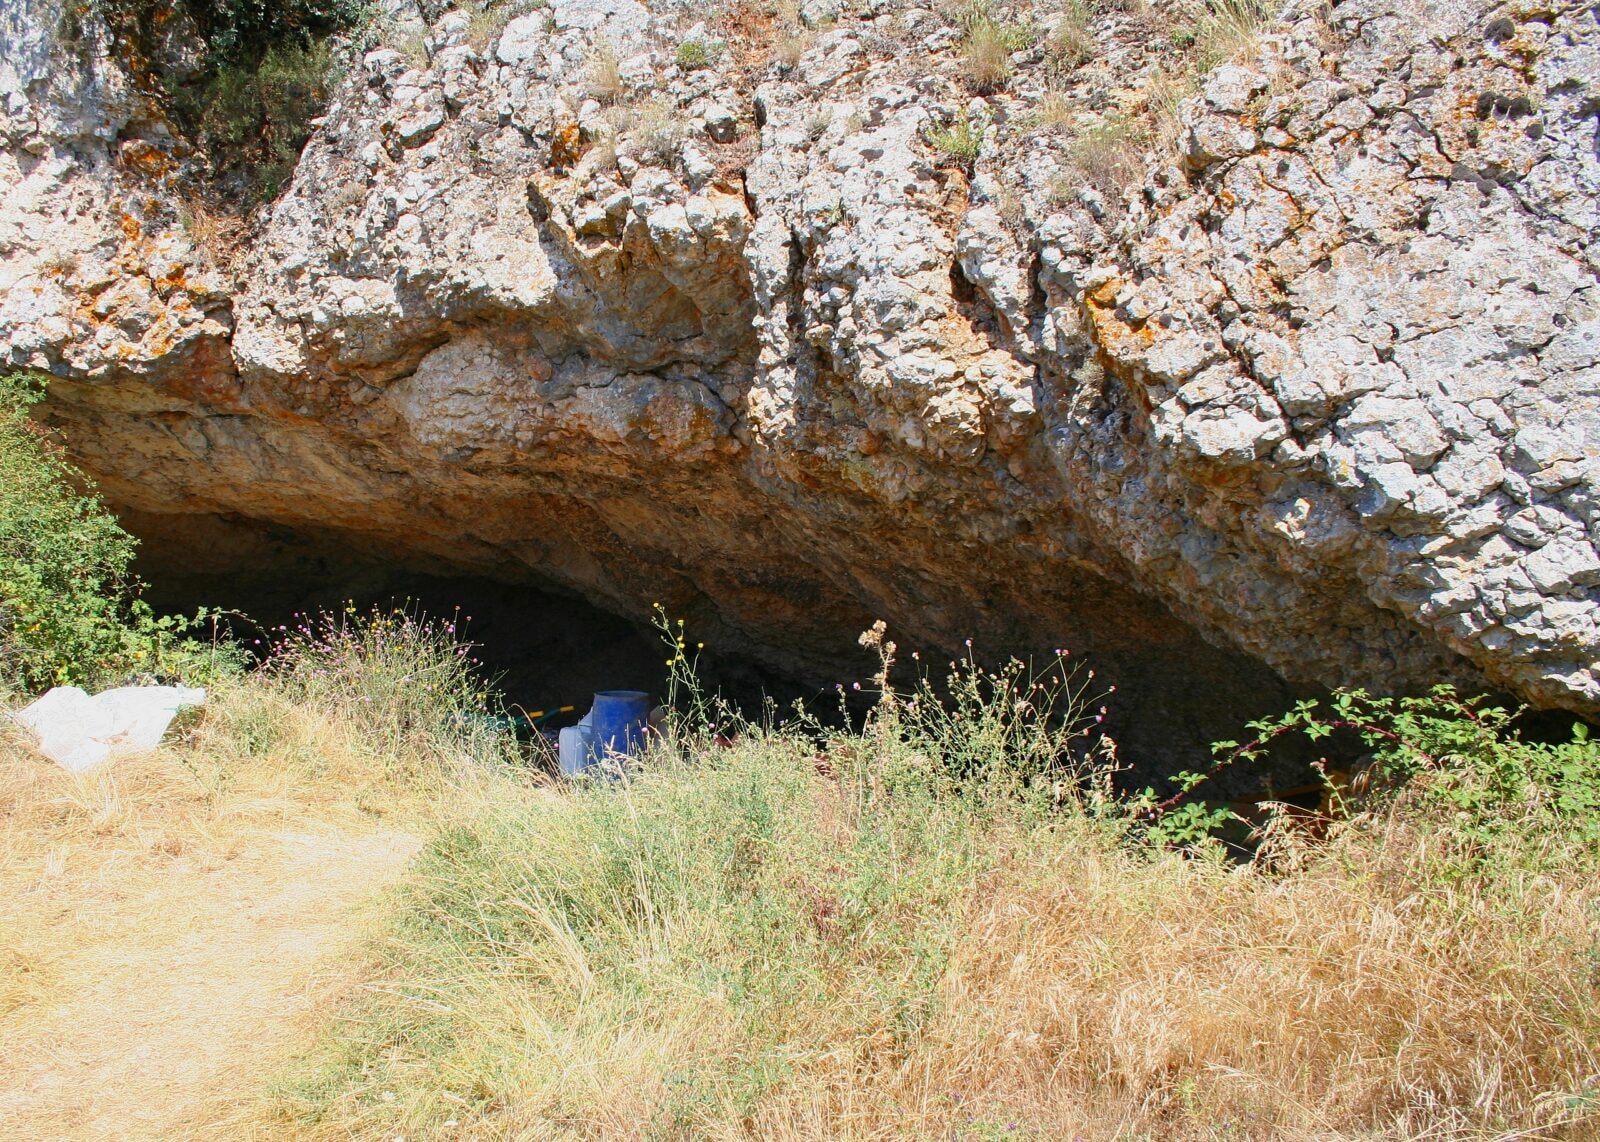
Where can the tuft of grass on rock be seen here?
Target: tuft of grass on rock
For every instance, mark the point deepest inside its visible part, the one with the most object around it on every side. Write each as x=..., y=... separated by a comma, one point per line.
x=792, y=42
x=656, y=129
x=1216, y=31
x=487, y=19
x=605, y=74
x=961, y=142
x=1104, y=157
x=1071, y=43
x=986, y=54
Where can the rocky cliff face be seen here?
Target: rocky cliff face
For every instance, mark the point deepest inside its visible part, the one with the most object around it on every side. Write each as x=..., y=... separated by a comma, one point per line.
x=1312, y=383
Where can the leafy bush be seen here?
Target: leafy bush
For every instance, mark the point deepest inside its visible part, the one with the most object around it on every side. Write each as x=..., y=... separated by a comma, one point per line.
x=63, y=558
x=245, y=31
x=69, y=611
x=255, y=118
x=1455, y=767
x=262, y=71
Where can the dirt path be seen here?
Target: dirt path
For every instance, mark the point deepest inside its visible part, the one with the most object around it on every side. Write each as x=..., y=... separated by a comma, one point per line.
x=157, y=968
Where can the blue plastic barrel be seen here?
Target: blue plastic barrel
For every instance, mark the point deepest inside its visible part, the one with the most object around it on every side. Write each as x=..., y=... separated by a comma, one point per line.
x=619, y=718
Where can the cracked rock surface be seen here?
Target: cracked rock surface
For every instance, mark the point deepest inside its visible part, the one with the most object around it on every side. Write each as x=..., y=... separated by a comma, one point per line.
x=1310, y=393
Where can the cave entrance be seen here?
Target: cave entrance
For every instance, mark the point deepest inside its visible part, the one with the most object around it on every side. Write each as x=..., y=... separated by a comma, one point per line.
x=543, y=647
x=540, y=646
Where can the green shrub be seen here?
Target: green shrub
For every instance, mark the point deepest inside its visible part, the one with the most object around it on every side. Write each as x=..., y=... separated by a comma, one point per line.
x=63, y=558
x=257, y=73
x=69, y=606
x=693, y=55
x=254, y=118
x=230, y=32
x=1456, y=768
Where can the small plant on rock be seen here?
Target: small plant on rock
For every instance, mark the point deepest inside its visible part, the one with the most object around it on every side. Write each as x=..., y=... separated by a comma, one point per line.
x=986, y=53
x=486, y=19
x=657, y=129
x=961, y=141
x=791, y=44
x=1163, y=103
x=695, y=55
x=1054, y=113
x=1221, y=30
x=1106, y=158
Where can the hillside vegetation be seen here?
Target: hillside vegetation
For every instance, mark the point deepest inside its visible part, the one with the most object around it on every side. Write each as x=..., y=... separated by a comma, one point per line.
x=943, y=923
x=932, y=928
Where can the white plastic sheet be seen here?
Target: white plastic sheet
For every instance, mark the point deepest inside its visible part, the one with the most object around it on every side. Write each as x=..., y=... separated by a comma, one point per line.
x=78, y=731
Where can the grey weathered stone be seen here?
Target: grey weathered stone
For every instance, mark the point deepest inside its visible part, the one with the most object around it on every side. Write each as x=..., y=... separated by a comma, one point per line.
x=721, y=124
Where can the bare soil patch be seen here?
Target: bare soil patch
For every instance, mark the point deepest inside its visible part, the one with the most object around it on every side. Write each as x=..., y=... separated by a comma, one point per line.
x=165, y=947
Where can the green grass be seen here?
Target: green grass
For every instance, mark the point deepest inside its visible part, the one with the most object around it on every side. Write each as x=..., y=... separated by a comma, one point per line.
x=932, y=927
x=742, y=917
x=961, y=142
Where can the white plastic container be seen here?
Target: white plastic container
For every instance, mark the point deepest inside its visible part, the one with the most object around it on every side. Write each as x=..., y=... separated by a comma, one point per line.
x=575, y=748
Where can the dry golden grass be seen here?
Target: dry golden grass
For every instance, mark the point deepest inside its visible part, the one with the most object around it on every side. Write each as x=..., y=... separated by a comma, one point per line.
x=657, y=128
x=1183, y=1000
x=986, y=56
x=925, y=972
x=215, y=232
x=605, y=75
x=1228, y=29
